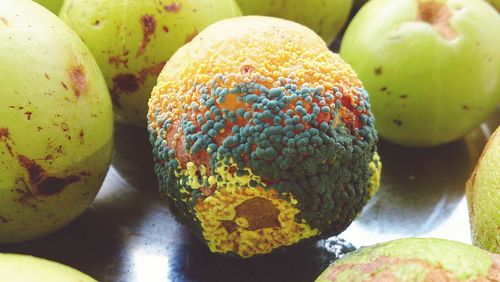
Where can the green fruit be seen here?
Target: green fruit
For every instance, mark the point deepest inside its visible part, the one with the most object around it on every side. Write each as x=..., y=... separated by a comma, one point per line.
x=483, y=196
x=495, y=3
x=132, y=42
x=53, y=5
x=432, y=68
x=55, y=123
x=24, y=268
x=415, y=260
x=325, y=17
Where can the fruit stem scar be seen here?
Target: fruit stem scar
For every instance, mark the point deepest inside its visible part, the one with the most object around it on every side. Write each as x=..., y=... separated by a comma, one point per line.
x=438, y=15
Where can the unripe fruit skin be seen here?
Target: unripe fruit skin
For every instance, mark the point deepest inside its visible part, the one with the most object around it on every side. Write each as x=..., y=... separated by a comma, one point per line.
x=483, y=197
x=326, y=18
x=56, y=123
x=426, y=89
x=52, y=5
x=132, y=42
x=23, y=268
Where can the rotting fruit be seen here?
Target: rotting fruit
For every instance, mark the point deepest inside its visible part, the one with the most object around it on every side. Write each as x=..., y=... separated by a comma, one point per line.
x=415, y=259
x=432, y=67
x=53, y=5
x=483, y=197
x=24, y=268
x=132, y=42
x=326, y=18
x=262, y=137
x=56, y=123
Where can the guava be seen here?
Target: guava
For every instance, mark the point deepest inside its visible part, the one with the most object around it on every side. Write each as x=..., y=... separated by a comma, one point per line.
x=415, y=259
x=432, y=67
x=56, y=123
x=262, y=137
x=326, y=18
x=53, y=5
x=25, y=268
x=131, y=42
x=495, y=3
x=483, y=197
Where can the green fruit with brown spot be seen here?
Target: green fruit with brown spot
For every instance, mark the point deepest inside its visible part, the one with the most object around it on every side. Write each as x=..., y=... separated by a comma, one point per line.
x=325, y=17
x=483, y=197
x=132, y=42
x=56, y=123
x=415, y=259
x=24, y=268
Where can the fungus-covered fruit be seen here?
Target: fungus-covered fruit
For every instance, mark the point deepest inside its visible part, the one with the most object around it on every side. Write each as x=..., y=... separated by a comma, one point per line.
x=412, y=259
x=55, y=123
x=326, y=18
x=132, y=42
x=262, y=137
x=483, y=197
x=432, y=67
x=24, y=268
x=53, y=5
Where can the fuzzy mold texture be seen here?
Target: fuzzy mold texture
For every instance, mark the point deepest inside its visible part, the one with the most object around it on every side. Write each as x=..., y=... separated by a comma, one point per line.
x=262, y=137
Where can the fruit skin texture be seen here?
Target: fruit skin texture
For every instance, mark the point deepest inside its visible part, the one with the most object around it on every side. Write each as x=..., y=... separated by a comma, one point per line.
x=53, y=5
x=132, y=42
x=22, y=268
x=415, y=259
x=325, y=17
x=56, y=123
x=262, y=137
x=429, y=84
x=483, y=197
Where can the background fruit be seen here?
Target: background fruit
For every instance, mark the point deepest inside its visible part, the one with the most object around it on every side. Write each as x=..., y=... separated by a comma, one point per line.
x=415, y=259
x=132, y=42
x=325, y=17
x=483, y=196
x=495, y=3
x=53, y=5
x=262, y=137
x=432, y=68
x=23, y=268
x=55, y=123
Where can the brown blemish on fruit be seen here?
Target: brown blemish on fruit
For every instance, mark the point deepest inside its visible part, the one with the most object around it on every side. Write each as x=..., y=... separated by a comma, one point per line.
x=116, y=61
x=438, y=15
x=64, y=85
x=81, y=136
x=229, y=225
x=4, y=20
x=259, y=212
x=378, y=71
x=123, y=83
x=397, y=122
x=148, y=24
x=5, y=137
x=465, y=108
x=28, y=115
x=383, y=89
x=45, y=184
x=173, y=7
x=46, y=76
x=380, y=268
x=190, y=36
x=97, y=23
x=403, y=96
x=165, y=29
x=78, y=79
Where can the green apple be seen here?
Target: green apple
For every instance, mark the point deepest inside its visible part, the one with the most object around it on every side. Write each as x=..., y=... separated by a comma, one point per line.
x=483, y=196
x=24, y=268
x=325, y=17
x=432, y=67
x=415, y=259
x=56, y=123
x=132, y=42
x=53, y=5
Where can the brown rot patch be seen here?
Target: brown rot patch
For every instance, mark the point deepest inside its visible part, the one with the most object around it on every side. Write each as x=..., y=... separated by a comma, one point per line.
x=123, y=83
x=45, y=184
x=397, y=122
x=78, y=79
x=28, y=115
x=165, y=29
x=190, y=36
x=148, y=24
x=5, y=138
x=173, y=7
x=438, y=15
x=378, y=71
x=259, y=212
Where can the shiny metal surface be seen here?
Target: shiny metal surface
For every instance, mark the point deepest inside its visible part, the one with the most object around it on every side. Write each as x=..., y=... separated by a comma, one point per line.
x=128, y=234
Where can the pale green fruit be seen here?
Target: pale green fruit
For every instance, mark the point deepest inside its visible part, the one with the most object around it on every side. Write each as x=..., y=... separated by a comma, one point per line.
x=483, y=196
x=132, y=42
x=325, y=17
x=56, y=123
x=416, y=260
x=432, y=68
x=24, y=268
x=53, y=5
